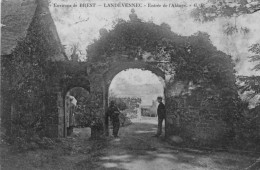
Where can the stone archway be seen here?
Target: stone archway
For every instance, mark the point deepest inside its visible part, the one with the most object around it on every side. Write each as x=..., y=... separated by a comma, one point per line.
x=117, y=67
x=67, y=84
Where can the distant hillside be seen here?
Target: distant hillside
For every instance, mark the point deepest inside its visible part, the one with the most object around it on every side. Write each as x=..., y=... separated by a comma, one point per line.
x=147, y=92
x=137, y=90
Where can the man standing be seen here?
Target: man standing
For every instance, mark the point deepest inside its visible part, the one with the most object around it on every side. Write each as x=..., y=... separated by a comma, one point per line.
x=161, y=116
x=113, y=112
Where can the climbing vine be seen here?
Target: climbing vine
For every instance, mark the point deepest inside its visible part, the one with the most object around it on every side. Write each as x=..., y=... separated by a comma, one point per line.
x=191, y=59
x=27, y=76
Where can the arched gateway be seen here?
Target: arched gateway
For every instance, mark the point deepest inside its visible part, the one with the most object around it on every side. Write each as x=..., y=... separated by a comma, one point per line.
x=117, y=67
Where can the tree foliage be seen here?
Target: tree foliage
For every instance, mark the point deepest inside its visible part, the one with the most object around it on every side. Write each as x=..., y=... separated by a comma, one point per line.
x=129, y=39
x=232, y=9
x=252, y=83
x=255, y=48
x=215, y=9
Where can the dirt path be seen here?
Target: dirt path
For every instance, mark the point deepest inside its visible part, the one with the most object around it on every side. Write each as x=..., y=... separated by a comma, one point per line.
x=136, y=149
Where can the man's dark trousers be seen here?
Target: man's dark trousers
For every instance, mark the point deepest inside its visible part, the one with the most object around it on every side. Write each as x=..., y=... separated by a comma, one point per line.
x=116, y=125
x=161, y=116
x=159, y=130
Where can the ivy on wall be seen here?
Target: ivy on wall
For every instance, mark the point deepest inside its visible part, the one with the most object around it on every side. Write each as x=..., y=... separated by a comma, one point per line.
x=191, y=59
x=207, y=75
x=28, y=77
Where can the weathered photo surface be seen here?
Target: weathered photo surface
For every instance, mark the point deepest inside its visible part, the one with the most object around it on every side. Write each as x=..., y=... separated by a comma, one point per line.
x=131, y=85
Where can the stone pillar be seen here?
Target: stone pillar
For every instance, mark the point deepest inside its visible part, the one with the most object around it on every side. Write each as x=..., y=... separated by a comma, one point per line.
x=105, y=104
x=98, y=93
x=61, y=117
x=6, y=120
x=172, y=124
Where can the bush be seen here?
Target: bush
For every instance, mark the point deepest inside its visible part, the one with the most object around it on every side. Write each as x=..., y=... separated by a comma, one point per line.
x=248, y=131
x=20, y=144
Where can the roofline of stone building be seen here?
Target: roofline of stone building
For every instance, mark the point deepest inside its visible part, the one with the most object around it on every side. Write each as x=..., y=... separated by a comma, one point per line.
x=16, y=18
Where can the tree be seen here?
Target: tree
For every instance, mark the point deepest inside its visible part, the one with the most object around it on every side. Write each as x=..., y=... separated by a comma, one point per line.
x=223, y=8
x=226, y=9
x=232, y=9
x=255, y=48
x=252, y=83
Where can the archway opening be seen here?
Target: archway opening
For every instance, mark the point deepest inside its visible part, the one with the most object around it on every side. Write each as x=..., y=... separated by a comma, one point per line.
x=135, y=93
x=77, y=113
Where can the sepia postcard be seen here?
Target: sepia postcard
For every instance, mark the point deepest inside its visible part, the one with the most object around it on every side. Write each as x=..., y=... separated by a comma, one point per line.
x=130, y=84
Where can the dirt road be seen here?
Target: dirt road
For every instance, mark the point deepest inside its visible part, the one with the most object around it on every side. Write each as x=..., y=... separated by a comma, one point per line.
x=136, y=149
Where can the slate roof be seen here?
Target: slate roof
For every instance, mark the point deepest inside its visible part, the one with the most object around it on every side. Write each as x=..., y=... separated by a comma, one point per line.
x=16, y=17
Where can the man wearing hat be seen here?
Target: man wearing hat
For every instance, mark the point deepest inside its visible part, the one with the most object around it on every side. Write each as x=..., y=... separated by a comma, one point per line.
x=161, y=116
x=113, y=112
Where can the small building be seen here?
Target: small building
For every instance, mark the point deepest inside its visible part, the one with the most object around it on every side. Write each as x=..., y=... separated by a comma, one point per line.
x=148, y=110
x=23, y=23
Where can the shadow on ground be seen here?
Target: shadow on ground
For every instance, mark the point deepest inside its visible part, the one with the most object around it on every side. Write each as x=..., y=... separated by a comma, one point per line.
x=138, y=150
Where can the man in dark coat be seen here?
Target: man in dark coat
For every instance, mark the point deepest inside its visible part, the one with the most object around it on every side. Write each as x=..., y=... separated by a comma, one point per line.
x=113, y=112
x=161, y=111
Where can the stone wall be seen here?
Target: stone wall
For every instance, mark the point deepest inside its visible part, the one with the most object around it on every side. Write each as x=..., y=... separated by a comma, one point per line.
x=131, y=104
x=199, y=124
x=96, y=92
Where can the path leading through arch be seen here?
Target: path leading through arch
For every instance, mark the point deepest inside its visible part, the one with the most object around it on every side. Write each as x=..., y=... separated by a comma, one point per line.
x=136, y=149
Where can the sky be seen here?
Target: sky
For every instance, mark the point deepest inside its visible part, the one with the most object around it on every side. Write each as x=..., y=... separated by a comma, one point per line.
x=137, y=83
x=80, y=25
